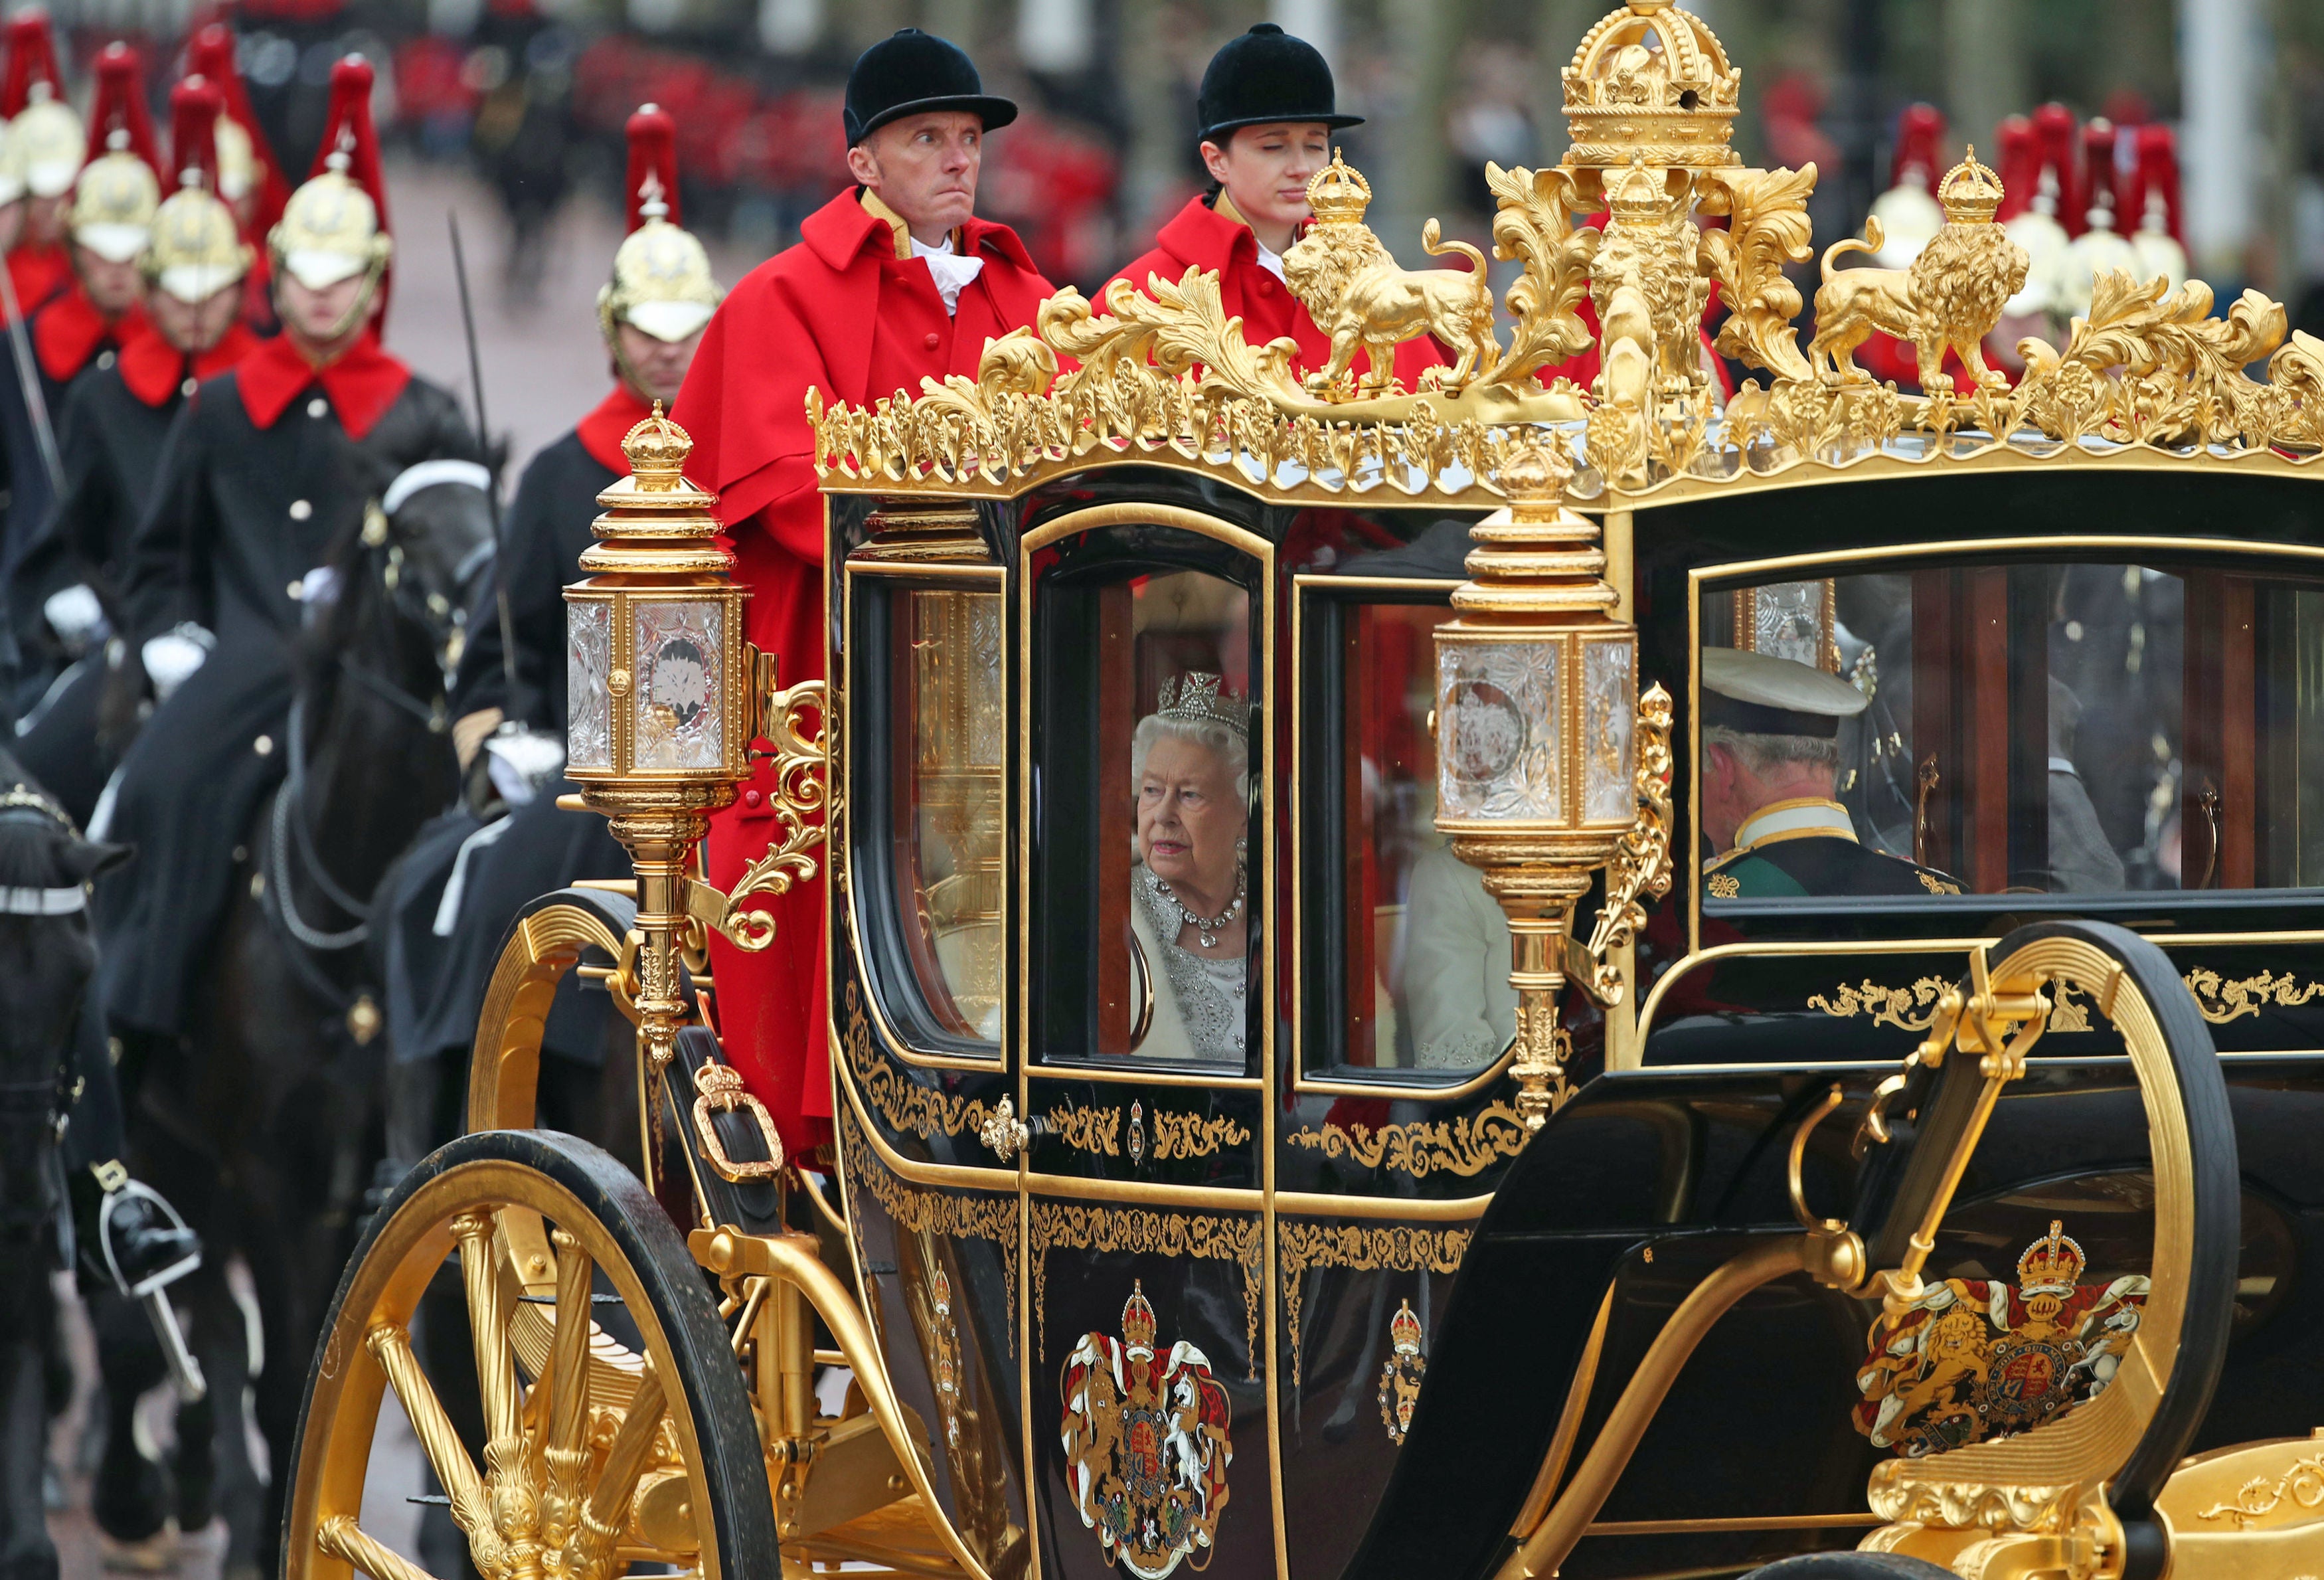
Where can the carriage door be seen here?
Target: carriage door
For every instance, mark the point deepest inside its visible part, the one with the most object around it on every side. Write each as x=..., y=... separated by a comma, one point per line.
x=1147, y=1044
x=920, y=926
x=1398, y=1125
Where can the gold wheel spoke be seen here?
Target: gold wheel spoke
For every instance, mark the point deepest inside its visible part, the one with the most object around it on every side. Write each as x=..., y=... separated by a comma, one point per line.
x=567, y=1421
x=391, y=1347
x=342, y=1537
x=488, y=1325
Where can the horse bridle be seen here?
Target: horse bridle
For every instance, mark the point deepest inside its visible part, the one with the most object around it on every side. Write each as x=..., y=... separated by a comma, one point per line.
x=23, y=802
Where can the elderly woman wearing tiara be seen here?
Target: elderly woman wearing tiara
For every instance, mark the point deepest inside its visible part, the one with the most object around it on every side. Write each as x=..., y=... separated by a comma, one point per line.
x=1190, y=762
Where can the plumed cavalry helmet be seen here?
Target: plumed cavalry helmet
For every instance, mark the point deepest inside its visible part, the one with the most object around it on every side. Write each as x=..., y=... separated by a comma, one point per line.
x=197, y=250
x=335, y=227
x=661, y=281
x=46, y=135
x=244, y=165
x=115, y=201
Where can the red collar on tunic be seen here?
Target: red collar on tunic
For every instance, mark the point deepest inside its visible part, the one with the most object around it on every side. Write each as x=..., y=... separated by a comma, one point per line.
x=1200, y=235
x=362, y=382
x=154, y=370
x=602, y=431
x=38, y=272
x=842, y=229
x=70, y=330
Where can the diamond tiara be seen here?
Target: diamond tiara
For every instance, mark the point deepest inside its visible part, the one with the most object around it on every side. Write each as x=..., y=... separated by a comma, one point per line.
x=1195, y=699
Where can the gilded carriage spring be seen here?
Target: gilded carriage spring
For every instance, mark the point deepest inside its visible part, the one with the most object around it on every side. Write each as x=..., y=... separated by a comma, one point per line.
x=1673, y=1001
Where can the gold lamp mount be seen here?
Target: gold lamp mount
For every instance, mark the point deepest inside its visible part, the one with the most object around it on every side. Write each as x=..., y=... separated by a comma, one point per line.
x=1550, y=766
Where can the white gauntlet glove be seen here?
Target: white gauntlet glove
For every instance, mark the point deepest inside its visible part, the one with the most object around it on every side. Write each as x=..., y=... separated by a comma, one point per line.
x=75, y=617
x=174, y=656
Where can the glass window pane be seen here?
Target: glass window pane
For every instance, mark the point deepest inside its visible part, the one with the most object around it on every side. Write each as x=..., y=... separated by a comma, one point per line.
x=1147, y=771
x=948, y=711
x=2075, y=727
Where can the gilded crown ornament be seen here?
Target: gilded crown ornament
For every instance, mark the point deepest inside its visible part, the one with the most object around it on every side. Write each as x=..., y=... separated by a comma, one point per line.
x=1338, y=194
x=1971, y=192
x=1137, y=1323
x=1403, y=1330
x=1651, y=81
x=2052, y=1265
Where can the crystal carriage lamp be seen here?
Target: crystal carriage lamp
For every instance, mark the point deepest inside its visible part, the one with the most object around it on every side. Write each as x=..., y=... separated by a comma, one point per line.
x=660, y=692
x=1548, y=768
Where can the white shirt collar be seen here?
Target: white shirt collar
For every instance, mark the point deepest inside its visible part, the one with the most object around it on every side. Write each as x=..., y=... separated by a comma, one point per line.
x=950, y=271
x=1272, y=262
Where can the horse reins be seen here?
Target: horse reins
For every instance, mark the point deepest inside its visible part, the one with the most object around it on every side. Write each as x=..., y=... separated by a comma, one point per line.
x=21, y=802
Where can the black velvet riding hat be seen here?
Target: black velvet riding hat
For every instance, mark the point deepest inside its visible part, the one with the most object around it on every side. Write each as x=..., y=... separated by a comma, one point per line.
x=1264, y=77
x=912, y=74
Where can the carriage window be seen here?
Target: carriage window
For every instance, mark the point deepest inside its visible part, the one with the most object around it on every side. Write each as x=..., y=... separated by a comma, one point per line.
x=1412, y=968
x=1148, y=770
x=2064, y=728
x=945, y=718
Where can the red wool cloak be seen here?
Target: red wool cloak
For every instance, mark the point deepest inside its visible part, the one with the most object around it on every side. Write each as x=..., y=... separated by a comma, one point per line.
x=842, y=314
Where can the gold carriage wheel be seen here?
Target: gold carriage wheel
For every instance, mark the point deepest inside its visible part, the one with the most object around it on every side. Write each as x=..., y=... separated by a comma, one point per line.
x=653, y=1457
x=544, y=944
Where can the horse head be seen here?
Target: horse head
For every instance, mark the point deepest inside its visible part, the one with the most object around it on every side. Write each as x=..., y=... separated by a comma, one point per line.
x=46, y=951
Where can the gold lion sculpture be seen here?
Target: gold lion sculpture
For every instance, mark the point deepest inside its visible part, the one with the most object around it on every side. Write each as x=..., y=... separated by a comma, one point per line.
x=1951, y=298
x=1359, y=297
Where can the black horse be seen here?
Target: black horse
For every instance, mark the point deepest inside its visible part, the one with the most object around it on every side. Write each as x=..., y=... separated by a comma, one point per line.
x=266, y=1137
x=46, y=959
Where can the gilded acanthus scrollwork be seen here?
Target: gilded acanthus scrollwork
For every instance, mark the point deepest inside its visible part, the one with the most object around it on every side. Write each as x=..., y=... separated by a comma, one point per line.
x=1146, y=1232
x=1908, y=1009
x=1300, y=1247
x=1195, y=1135
x=954, y=1214
x=1642, y=862
x=2219, y=999
x=1465, y=1146
x=906, y=1106
x=1650, y=97
x=801, y=783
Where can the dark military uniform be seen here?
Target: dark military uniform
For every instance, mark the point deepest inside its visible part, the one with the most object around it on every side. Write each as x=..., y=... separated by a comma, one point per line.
x=1817, y=855
x=112, y=426
x=436, y=978
x=267, y=470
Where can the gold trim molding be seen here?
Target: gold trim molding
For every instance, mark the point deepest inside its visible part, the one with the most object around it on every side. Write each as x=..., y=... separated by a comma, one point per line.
x=932, y=1212
x=1142, y=1232
x=1465, y=1146
x=1176, y=1135
x=2217, y=999
x=1363, y=1248
x=926, y=1111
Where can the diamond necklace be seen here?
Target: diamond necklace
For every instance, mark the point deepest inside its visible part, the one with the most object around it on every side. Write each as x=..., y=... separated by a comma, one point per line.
x=1205, y=929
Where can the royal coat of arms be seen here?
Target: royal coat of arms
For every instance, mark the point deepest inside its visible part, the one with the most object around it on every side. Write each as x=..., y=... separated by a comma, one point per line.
x=1976, y=1359
x=1147, y=1445
x=1399, y=1386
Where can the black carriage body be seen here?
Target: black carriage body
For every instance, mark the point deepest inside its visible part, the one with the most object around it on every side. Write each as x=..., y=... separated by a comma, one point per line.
x=1299, y=1239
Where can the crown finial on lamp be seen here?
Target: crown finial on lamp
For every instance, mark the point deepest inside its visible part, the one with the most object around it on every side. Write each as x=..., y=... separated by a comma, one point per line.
x=658, y=450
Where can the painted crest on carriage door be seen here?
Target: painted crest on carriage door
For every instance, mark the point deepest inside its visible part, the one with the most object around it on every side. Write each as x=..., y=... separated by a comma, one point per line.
x=1147, y=1445
x=1399, y=1386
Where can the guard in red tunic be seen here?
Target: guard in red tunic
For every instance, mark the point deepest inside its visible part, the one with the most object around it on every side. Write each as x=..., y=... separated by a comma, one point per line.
x=45, y=136
x=1267, y=112
x=892, y=281
x=100, y=306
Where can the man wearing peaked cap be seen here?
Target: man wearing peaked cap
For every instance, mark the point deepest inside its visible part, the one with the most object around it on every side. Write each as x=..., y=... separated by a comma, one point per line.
x=46, y=136
x=1267, y=112
x=267, y=467
x=461, y=883
x=1770, y=761
x=892, y=282
x=110, y=428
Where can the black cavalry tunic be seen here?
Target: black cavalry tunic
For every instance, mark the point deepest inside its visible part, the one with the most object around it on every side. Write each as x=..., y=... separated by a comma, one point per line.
x=240, y=512
x=436, y=981
x=111, y=445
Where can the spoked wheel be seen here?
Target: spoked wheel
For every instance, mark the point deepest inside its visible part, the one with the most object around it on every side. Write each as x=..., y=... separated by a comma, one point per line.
x=600, y=1451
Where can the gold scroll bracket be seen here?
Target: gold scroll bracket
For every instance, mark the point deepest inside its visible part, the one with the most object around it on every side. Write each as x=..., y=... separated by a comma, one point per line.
x=800, y=796
x=1641, y=866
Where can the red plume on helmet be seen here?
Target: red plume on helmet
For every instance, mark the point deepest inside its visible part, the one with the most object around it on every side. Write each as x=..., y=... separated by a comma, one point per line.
x=654, y=165
x=2098, y=140
x=2053, y=135
x=347, y=129
x=32, y=58
x=2019, y=166
x=118, y=111
x=211, y=57
x=2157, y=172
x=1919, y=132
x=195, y=105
